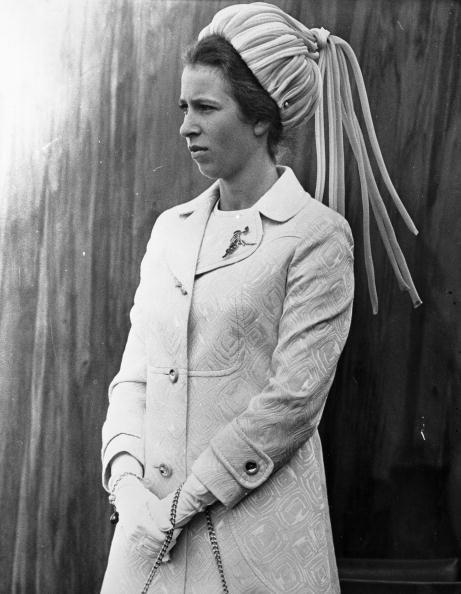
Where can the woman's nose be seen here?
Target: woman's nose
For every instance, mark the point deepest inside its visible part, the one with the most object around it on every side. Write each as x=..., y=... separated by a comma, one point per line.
x=189, y=125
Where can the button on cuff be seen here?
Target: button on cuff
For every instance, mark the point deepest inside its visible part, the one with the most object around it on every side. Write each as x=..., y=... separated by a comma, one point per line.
x=234, y=450
x=251, y=467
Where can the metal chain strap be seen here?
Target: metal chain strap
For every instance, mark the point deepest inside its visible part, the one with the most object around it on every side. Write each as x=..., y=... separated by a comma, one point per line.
x=215, y=549
x=169, y=538
x=167, y=542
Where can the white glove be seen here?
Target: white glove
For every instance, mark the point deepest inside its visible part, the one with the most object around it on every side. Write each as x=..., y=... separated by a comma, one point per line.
x=144, y=517
x=194, y=498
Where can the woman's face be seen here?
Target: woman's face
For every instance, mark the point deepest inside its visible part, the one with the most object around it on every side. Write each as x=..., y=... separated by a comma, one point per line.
x=220, y=141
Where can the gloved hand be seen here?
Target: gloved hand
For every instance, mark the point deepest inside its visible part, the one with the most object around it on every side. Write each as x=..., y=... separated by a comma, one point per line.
x=194, y=498
x=144, y=517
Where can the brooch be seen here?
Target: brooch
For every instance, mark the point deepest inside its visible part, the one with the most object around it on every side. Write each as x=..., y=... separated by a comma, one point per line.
x=237, y=240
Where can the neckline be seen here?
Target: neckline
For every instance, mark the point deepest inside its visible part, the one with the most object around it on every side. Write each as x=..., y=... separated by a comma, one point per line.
x=234, y=213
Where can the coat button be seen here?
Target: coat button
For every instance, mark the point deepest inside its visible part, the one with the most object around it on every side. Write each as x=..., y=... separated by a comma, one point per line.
x=251, y=467
x=173, y=375
x=165, y=470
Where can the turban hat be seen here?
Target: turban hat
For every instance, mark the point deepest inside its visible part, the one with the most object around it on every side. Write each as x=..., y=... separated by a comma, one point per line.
x=281, y=53
x=301, y=69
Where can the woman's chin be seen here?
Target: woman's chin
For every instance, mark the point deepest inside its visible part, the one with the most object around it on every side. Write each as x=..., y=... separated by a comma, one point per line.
x=207, y=170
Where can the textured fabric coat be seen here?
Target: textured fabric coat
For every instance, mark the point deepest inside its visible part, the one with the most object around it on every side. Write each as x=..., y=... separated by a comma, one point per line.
x=225, y=374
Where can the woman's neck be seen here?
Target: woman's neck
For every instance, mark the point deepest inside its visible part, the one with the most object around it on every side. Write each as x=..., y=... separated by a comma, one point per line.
x=246, y=188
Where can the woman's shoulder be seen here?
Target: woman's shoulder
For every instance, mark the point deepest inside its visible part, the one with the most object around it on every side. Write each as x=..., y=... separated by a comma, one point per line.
x=203, y=200
x=318, y=222
x=301, y=215
x=172, y=214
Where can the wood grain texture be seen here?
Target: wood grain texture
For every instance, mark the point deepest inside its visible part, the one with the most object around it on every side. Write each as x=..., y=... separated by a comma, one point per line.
x=84, y=176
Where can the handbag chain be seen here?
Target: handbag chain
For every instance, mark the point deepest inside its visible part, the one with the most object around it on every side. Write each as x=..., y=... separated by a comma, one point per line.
x=166, y=544
x=169, y=538
x=215, y=549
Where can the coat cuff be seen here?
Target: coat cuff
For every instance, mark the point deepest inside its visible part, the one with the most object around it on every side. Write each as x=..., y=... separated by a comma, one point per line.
x=131, y=444
x=232, y=475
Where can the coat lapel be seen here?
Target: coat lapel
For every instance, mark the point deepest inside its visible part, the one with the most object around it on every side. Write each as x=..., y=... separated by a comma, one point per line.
x=256, y=238
x=184, y=245
x=280, y=203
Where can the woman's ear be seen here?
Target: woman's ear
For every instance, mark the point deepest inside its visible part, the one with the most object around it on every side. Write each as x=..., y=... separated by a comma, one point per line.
x=261, y=127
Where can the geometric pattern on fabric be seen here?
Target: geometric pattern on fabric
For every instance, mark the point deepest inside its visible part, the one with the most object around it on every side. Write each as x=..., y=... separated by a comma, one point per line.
x=231, y=367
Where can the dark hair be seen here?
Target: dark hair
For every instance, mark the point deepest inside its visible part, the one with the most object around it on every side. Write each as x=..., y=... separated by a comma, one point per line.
x=254, y=101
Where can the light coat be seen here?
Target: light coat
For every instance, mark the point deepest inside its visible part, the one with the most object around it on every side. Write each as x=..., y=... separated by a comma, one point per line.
x=225, y=374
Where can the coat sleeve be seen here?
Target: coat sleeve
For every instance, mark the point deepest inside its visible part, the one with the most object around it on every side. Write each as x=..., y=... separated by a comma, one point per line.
x=313, y=328
x=124, y=425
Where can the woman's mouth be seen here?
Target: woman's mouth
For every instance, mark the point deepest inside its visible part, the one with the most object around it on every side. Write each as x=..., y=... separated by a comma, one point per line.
x=197, y=151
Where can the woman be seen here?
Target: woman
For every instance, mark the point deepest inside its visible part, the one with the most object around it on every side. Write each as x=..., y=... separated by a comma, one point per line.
x=241, y=314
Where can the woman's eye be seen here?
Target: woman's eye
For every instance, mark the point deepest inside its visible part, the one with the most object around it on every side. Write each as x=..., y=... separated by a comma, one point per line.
x=199, y=108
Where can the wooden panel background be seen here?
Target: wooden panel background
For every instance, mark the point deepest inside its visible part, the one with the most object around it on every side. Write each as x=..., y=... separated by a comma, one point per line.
x=90, y=155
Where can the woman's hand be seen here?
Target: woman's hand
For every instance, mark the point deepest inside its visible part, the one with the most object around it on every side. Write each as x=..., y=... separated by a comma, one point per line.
x=144, y=517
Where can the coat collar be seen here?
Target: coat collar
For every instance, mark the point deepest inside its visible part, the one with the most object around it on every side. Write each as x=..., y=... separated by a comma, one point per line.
x=280, y=203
